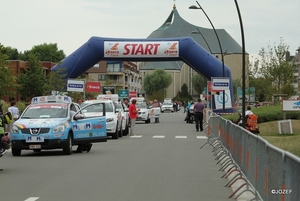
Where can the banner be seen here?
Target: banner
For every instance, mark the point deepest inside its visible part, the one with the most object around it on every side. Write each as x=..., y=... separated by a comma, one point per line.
x=92, y=87
x=75, y=85
x=219, y=100
x=108, y=90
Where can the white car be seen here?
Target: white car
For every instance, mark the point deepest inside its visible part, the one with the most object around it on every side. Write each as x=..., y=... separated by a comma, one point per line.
x=167, y=107
x=145, y=114
x=125, y=117
x=113, y=116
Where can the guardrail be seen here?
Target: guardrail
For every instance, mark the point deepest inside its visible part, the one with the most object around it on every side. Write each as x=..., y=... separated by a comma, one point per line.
x=266, y=171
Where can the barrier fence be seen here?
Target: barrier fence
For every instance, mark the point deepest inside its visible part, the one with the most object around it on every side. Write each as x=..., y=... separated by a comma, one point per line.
x=271, y=174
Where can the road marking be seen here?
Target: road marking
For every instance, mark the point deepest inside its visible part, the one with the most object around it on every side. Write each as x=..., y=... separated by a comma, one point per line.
x=136, y=136
x=201, y=137
x=181, y=137
x=32, y=199
x=158, y=136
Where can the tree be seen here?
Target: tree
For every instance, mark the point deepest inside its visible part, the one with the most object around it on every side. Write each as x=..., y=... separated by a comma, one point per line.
x=156, y=83
x=44, y=52
x=33, y=81
x=183, y=95
x=12, y=53
x=199, y=82
x=56, y=80
x=7, y=79
x=274, y=67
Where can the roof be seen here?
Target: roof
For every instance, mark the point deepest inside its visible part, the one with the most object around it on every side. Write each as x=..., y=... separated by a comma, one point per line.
x=176, y=26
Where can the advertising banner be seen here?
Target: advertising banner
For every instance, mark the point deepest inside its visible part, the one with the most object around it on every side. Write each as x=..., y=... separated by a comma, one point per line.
x=291, y=105
x=108, y=89
x=75, y=85
x=92, y=87
x=142, y=49
x=219, y=100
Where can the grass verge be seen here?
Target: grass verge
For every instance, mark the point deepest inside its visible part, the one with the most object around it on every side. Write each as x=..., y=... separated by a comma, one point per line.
x=289, y=142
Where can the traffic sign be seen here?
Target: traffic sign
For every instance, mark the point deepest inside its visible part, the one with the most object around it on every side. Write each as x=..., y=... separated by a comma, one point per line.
x=123, y=93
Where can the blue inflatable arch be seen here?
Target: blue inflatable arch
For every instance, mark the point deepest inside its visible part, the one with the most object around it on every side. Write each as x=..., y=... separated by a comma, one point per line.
x=184, y=49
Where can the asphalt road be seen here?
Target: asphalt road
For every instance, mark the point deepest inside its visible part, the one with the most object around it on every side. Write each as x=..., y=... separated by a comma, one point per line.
x=162, y=163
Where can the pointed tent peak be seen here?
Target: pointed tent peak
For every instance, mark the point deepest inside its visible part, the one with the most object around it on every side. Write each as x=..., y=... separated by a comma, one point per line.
x=174, y=6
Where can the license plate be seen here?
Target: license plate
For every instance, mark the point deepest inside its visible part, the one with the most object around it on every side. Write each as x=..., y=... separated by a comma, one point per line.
x=35, y=146
x=34, y=139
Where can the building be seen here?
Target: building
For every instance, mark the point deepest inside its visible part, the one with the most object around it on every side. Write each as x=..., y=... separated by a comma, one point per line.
x=17, y=67
x=176, y=26
x=121, y=75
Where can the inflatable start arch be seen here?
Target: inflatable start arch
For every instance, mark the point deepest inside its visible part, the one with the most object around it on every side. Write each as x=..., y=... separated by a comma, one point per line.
x=184, y=49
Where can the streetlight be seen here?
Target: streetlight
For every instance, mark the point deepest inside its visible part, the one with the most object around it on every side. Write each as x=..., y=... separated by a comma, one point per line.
x=199, y=32
x=222, y=55
x=243, y=64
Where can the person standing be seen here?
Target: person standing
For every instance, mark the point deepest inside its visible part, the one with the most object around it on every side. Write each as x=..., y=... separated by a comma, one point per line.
x=198, y=112
x=156, y=104
x=14, y=112
x=133, y=114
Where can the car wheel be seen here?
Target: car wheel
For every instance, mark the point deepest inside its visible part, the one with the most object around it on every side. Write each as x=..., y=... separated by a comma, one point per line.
x=121, y=131
x=116, y=133
x=16, y=152
x=148, y=120
x=67, y=148
x=126, y=131
x=162, y=111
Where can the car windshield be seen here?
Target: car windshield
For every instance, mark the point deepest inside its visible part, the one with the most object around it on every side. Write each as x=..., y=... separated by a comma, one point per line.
x=46, y=111
x=141, y=105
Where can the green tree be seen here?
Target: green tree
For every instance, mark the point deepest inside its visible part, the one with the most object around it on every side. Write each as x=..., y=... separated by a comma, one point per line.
x=56, y=80
x=274, y=67
x=156, y=83
x=44, y=52
x=199, y=82
x=183, y=95
x=33, y=81
x=12, y=53
x=7, y=79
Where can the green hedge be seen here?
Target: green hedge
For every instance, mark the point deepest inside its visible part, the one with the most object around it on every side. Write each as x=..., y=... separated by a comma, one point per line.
x=267, y=113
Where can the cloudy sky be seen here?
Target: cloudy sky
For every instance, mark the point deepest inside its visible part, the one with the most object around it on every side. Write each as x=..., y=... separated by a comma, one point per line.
x=70, y=23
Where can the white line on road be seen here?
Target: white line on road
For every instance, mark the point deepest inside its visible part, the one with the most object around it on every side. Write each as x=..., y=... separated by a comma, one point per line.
x=32, y=199
x=136, y=136
x=201, y=137
x=158, y=136
x=181, y=137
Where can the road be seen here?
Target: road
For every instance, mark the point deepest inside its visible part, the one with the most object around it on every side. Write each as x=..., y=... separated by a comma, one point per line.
x=162, y=163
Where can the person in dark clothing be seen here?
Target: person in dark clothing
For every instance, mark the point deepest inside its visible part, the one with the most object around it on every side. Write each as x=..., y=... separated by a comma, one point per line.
x=198, y=112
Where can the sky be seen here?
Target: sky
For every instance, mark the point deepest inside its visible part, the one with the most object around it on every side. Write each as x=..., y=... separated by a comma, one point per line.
x=70, y=23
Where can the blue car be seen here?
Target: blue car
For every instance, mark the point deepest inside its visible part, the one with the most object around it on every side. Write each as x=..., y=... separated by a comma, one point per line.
x=55, y=122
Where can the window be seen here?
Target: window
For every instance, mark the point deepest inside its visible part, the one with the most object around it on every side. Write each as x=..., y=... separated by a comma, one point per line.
x=113, y=68
x=101, y=77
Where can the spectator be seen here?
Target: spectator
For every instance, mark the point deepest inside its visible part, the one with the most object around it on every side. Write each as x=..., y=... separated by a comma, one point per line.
x=15, y=114
x=155, y=105
x=198, y=112
x=133, y=114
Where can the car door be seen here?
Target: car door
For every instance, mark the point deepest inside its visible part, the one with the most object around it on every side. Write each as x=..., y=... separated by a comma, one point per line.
x=89, y=124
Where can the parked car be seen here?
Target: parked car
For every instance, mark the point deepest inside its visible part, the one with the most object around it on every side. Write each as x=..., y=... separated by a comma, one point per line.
x=113, y=116
x=167, y=107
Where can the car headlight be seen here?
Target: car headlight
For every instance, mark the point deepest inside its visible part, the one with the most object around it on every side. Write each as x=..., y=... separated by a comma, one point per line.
x=109, y=119
x=15, y=129
x=59, y=128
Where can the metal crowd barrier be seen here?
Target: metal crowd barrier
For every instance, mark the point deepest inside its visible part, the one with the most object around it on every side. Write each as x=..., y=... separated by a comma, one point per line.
x=269, y=173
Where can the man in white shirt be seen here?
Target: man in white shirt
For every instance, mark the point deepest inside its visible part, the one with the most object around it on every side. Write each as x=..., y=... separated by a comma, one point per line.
x=14, y=112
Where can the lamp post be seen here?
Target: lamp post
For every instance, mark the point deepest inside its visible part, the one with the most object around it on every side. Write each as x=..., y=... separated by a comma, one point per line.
x=243, y=64
x=222, y=55
x=199, y=32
